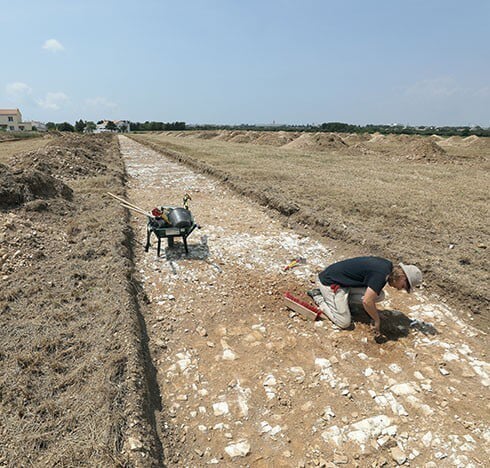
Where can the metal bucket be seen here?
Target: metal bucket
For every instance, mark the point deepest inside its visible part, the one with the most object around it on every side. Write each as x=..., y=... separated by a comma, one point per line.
x=180, y=218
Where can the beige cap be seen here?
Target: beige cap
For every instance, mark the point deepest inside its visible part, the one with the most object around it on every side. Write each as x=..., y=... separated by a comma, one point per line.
x=413, y=274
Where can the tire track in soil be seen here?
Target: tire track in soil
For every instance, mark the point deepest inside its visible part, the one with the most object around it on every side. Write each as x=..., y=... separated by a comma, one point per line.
x=245, y=382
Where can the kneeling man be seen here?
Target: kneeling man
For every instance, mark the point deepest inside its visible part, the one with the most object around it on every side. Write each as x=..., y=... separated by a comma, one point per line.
x=360, y=281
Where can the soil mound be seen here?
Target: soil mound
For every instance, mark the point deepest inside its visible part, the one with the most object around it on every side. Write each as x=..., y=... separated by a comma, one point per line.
x=377, y=138
x=75, y=156
x=317, y=141
x=354, y=138
x=451, y=141
x=436, y=138
x=27, y=185
x=360, y=148
x=275, y=138
x=224, y=135
x=471, y=140
x=205, y=135
x=243, y=137
x=425, y=149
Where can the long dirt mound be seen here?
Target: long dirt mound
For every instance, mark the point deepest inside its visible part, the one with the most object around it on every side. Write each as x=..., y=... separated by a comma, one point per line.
x=73, y=389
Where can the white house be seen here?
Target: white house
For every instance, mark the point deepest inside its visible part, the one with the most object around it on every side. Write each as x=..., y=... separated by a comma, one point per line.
x=39, y=126
x=122, y=126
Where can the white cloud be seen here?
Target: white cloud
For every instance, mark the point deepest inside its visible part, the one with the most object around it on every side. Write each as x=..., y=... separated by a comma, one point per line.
x=17, y=90
x=100, y=103
x=53, y=101
x=53, y=45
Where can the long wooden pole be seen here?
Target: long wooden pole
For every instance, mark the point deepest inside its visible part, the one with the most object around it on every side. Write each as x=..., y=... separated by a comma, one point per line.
x=128, y=205
x=124, y=201
x=137, y=210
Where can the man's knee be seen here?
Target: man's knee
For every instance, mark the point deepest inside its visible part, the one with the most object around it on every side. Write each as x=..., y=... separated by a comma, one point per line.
x=342, y=322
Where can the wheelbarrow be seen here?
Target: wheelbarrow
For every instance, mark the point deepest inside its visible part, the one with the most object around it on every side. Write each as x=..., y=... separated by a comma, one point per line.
x=180, y=224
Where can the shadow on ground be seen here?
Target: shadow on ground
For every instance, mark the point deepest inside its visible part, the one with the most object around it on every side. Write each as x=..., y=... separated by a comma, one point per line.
x=196, y=252
x=394, y=324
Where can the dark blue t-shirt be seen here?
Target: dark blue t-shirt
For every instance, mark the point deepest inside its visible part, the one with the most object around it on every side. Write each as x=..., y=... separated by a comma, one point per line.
x=369, y=272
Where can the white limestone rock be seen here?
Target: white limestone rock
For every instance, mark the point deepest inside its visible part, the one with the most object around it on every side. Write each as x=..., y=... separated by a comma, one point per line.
x=395, y=368
x=229, y=355
x=239, y=449
x=134, y=444
x=368, y=372
x=372, y=426
x=270, y=381
x=398, y=455
x=403, y=389
x=221, y=408
x=427, y=439
x=333, y=434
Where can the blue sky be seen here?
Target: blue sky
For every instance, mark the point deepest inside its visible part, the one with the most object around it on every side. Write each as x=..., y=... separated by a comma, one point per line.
x=228, y=61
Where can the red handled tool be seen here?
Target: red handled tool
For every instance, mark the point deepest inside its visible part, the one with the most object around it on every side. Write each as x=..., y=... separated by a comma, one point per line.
x=310, y=312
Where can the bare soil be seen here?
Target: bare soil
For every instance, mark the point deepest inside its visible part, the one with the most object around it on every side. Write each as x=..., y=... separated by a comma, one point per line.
x=246, y=382
x=408, y=198
x=10, y=146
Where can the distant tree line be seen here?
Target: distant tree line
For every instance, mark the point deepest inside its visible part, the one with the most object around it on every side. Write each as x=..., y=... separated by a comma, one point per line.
x=404, y=129
x=79, y=126
x=340, y=127
x=89, y=126
x=156, y=126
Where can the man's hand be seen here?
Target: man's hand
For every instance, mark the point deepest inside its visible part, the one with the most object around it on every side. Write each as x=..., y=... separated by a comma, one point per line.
x=380, y=338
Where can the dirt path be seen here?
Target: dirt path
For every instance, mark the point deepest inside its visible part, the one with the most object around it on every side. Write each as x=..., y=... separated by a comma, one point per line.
x=245, y=382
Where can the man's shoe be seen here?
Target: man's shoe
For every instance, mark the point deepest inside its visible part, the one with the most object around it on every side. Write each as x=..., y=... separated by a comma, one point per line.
x=313, y=292
x=316, y=295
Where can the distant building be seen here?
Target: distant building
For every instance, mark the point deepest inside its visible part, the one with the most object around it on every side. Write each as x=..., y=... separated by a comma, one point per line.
x=11, y=121
x=101, y=127
x=39, y=126
x=122, y=126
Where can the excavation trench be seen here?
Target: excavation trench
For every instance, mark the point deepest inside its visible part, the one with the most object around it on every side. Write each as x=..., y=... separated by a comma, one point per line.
x=242, y=381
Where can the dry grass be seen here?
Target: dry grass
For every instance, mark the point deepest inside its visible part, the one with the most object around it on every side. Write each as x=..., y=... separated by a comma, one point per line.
x=428, y=209
x=72, y=375
x=9, y=148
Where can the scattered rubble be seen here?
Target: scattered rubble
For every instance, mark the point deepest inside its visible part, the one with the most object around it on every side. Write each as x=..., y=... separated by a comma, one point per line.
x=299, y=393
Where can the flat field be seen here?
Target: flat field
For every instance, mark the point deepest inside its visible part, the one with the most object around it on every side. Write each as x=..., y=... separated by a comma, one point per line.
x=421, y=200
x=8, y=148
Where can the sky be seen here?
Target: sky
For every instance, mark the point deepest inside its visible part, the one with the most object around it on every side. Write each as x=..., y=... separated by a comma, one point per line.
x=417, y=62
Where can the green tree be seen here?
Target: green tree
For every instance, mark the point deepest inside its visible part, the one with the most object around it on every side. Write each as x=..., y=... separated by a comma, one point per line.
x=111, y=126
x=65, y=127
x=51, y=126
x=80, y=126
x=90, y=126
